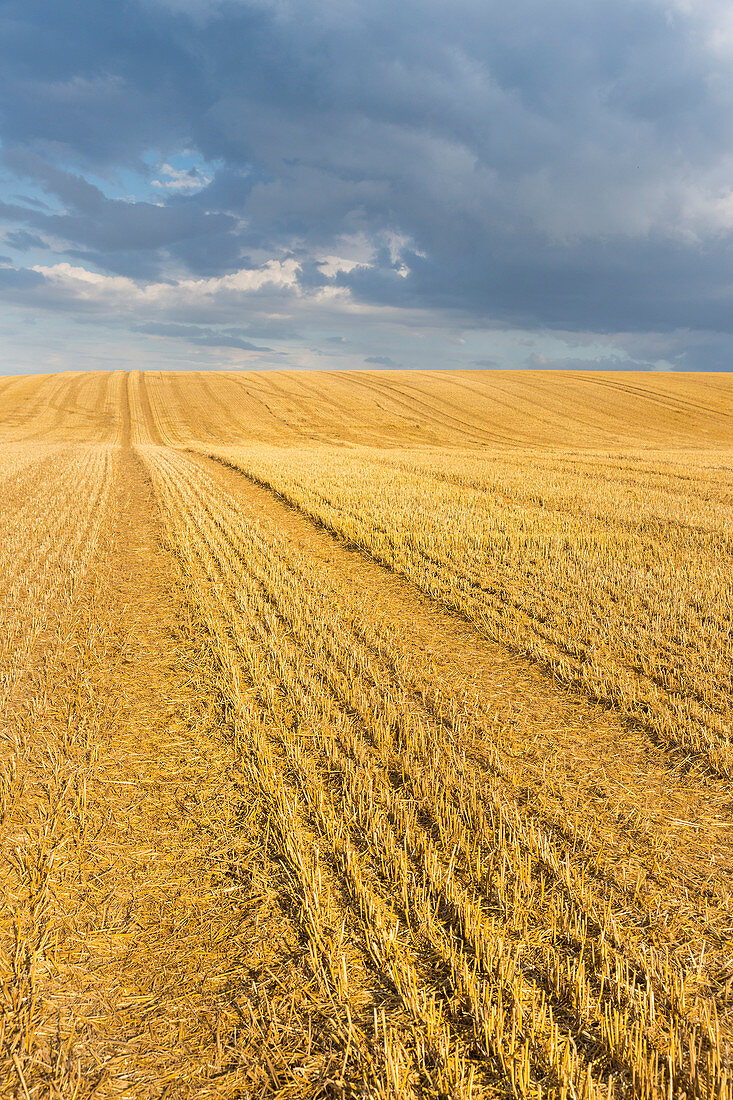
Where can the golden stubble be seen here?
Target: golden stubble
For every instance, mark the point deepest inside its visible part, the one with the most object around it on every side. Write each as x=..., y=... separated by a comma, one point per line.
x=366, y=736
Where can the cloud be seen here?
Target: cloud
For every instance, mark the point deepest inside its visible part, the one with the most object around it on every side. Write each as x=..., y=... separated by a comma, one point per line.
x=203, y=337
x=23, y=241
x=95, y=221
x=471, y=167
x=380, y=360
x=19, y=279
x=184, y=180
x=69, y=284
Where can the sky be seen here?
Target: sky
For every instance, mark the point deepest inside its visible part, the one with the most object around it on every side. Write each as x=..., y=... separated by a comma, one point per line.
x=356, y=184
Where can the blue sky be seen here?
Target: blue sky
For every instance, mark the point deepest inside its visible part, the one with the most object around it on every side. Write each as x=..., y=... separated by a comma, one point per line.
x=360, y=183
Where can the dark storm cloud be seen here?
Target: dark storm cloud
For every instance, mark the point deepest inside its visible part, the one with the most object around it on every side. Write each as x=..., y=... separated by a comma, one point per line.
x=600, y=286
x=108, y=225
x=548, y=166
x=15, y=278
x=22, y=240
x=101, y=81
x=134, y=264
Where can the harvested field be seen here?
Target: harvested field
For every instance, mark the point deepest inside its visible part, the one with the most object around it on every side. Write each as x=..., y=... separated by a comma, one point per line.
x=367, y=735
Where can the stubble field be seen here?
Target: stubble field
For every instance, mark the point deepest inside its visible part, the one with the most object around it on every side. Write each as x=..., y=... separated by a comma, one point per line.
x=366, y=735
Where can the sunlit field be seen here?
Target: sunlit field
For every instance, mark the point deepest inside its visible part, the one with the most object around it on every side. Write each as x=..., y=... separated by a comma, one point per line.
x=367, y=735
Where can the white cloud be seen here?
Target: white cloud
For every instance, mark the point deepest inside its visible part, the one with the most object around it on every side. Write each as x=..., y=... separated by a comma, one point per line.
x=184, y=180
x=83, y=285
x=332, y=265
